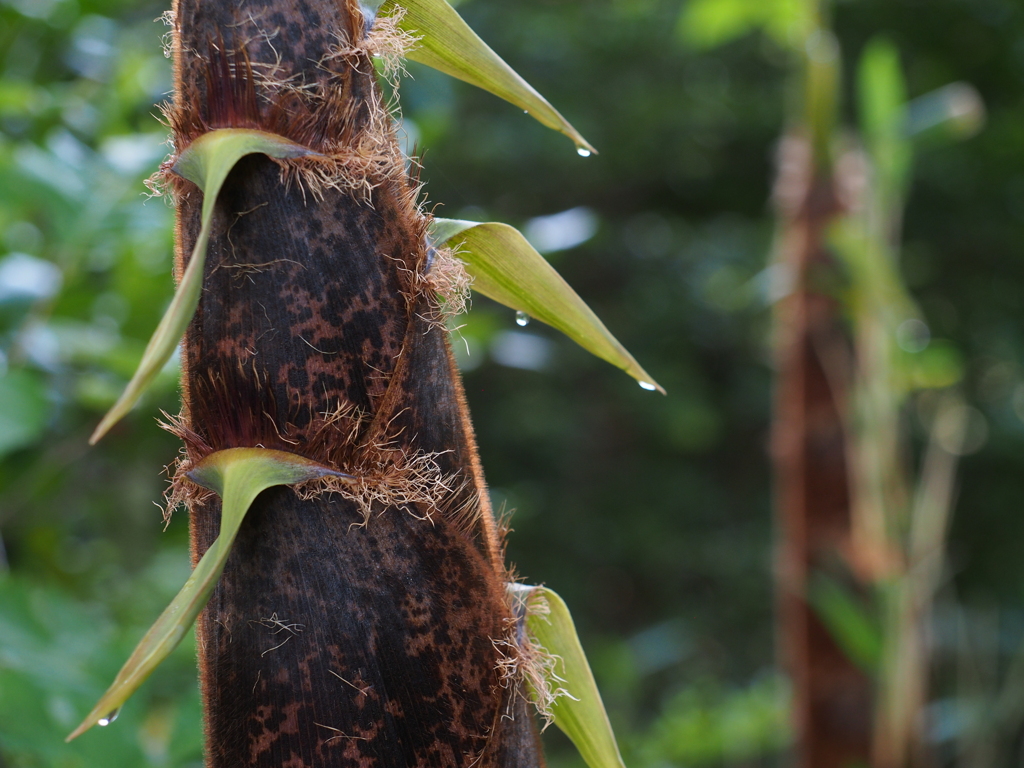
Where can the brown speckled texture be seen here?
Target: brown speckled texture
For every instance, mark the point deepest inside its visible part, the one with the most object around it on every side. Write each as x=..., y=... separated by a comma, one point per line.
x=328, y=642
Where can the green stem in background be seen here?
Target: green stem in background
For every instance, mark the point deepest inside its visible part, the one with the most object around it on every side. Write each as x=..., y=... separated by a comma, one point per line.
x=904, y=667
x=206, y=163
x=238, y=475
x=897, y=541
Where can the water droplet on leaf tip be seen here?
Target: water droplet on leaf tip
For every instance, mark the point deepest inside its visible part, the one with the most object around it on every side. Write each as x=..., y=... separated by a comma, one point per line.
x=648, y=386
x=583, y=152
x=109, y=718
x=522, y=318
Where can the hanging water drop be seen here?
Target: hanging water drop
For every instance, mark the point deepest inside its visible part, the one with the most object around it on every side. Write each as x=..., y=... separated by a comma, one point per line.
x=108, y=718
x=583, y=152
x=648, y=386
x=522, y=319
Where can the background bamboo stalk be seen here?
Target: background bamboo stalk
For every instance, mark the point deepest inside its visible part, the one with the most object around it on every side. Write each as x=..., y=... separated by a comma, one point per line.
x=831, y=696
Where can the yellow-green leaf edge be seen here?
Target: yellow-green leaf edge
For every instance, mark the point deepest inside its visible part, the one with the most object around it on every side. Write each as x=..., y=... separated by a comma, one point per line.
x=580, y=714
x=449, y=45
x=206, y=162
x=506, y=268
x=238, y=475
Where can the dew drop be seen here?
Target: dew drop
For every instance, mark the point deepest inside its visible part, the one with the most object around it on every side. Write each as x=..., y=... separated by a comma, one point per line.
x=583, y=152
x=648, y=386
x=522, y=319
x=108, y=718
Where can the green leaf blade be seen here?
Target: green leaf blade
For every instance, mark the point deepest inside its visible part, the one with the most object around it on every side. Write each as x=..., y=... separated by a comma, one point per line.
x=581, y=714
x=854, y=629
x=883, y=111
x=206, y=163
x=449, y=45
x=239, y=475
x=23, y=409
x=506, y=268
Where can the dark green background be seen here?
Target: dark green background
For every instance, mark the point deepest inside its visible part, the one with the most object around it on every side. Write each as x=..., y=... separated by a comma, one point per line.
x=649, y=514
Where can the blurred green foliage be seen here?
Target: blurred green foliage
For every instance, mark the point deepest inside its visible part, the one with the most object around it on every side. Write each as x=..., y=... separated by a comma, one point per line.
x=650, y=515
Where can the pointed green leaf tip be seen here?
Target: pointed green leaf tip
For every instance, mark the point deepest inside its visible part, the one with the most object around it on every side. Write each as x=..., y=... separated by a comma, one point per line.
x=506, y=268
x=579, y=712
x=238, y=475
x=449, y=45
x=206, y=162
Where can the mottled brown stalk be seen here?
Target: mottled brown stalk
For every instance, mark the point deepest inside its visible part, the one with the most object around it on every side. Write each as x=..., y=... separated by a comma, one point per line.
x=831, y=696
x=343, y=632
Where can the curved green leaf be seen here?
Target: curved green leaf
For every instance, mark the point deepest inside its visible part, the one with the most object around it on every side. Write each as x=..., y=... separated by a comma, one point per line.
x=580, y=714
x=449, y=45
x=238, y=475
x=506, y=268
x=855, y=630
x=206, y=162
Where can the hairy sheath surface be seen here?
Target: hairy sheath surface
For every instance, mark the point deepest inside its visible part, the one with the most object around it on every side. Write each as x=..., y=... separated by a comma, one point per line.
x=366, y=629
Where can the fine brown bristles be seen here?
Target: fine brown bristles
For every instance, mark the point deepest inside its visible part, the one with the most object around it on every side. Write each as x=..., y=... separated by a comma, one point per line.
x=392, y=479
x=522, y=660
x=386, y=475
x=230, y=89
x=352, y=137
x=181, y=491
x=387, y=41
x=259, y=93
x=446, y=275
